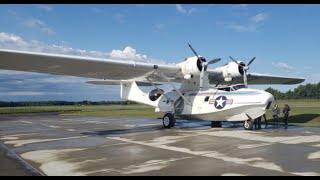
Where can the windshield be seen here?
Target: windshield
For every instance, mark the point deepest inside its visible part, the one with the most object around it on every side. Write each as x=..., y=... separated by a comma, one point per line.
x=240, y=86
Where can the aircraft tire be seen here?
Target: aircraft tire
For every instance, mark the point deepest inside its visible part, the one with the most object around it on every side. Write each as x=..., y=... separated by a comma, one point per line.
x=168, y=120
x=248, y=125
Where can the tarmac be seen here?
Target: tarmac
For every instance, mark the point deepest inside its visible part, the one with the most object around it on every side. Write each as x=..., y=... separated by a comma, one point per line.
x=55, y=145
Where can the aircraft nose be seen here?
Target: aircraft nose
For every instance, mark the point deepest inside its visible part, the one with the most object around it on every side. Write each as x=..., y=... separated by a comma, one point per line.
x=268, y=99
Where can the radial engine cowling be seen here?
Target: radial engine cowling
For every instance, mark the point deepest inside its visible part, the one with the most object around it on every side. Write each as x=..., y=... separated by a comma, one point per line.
x=232, y=70
x=192, y=66
x=155, y=94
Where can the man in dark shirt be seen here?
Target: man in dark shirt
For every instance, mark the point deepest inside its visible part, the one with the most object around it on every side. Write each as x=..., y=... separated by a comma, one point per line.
x=285, y=111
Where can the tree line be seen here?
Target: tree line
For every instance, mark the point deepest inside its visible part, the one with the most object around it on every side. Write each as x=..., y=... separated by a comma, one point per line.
x=61, y=103
x=308, y=91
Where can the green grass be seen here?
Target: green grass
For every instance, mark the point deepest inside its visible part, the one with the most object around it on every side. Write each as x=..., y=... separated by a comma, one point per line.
x=303, y=112
x=117, y=110
x=134, y=110
x=38, y=109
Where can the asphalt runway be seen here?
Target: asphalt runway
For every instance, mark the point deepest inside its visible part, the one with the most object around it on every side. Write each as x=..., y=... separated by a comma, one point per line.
x=70, y=145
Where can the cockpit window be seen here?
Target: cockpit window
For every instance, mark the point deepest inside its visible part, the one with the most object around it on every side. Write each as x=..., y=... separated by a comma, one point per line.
x=240, y=86
x=232, y=88
x=224, y=88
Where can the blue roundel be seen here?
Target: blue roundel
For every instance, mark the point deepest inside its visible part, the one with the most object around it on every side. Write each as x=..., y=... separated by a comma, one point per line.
x=220, y=102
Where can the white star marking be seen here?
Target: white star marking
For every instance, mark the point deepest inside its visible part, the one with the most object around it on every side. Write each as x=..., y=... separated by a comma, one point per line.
x=220, y=102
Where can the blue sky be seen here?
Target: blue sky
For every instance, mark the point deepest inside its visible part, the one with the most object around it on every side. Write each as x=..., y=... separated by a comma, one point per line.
x=284, y=38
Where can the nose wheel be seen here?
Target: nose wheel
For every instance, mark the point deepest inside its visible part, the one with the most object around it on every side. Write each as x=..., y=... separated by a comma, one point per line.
x=248, y=125
x=168, y=120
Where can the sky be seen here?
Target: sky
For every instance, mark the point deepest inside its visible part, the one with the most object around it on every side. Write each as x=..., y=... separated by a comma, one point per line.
x=284, y=39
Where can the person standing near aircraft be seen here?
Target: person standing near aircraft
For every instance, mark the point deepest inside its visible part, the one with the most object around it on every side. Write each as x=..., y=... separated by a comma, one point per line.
x=285, y=111
x=257, y=124
x=276, y=112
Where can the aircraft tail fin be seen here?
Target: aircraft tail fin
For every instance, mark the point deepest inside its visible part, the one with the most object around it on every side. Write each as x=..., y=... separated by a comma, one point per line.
x=131, y=92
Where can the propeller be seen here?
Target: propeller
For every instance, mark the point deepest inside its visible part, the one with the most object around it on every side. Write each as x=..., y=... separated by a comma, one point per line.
x=245, y=68
x=204, y=64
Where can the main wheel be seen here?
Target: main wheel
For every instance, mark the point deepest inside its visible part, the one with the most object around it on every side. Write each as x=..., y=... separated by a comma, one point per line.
x=168, y=120
x=248, y=125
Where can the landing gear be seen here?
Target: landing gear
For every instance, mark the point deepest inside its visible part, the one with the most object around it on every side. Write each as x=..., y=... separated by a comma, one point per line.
x=248, y=124
x=168, y=120
x=216, y=124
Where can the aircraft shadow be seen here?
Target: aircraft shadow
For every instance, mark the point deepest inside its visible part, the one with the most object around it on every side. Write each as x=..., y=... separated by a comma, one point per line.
x=122, y=131
x=301, y=118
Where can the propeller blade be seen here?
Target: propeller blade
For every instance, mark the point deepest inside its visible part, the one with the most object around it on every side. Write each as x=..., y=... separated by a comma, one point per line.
x=251, y=61
x=201, y=77
x=214, y=61
x=245, y=80
x=234, y=60
x=194, y=52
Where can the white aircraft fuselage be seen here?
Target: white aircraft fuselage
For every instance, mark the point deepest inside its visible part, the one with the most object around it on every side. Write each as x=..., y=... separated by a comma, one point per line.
x=213, y=104
x=219, y=105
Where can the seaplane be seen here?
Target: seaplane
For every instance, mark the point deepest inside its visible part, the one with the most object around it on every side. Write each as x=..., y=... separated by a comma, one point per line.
x=217, y=95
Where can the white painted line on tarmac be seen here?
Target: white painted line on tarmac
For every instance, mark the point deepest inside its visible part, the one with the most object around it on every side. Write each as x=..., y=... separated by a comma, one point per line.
x=115, y=144
x=28, y=122
x=233, y=174
x=17, y=143
x=52, y=164
x=257, y=162
x=314, y=155
x=249, y=146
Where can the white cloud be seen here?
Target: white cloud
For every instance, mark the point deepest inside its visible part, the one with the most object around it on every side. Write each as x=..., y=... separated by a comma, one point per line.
x=127, y=53
x=181, y=9
x=259, y=18
x=251, y=24
x=44, y=7
x=39, y=25
x=14, y=42
x=283, y=66
x=185, y=11
x=11, y=41
x=119, y=17
x=10, y=73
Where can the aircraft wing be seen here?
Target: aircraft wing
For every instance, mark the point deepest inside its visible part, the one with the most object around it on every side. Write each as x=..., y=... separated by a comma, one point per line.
x=87, y=67
x=255, y=78
x=118, y=82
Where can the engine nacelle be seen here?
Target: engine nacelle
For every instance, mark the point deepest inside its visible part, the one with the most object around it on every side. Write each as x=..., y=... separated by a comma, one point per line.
x=231, y=70
x=155, y=94
x=191, y=67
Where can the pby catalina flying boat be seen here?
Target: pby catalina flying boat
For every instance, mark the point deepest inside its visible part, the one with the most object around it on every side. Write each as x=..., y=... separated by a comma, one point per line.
x=229, y=100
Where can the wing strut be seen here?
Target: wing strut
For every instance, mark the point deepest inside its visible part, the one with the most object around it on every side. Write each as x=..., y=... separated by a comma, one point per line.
x=175, y=88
